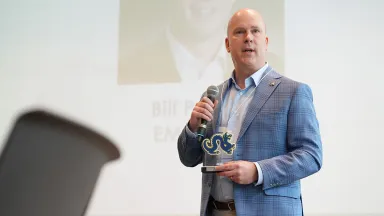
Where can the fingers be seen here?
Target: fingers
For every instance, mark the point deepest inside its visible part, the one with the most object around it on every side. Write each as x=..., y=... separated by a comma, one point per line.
x=205, y=106
x=231, y=170
x=232, y=174
x=241, y=172
x=229, y=173
x=202, y=113
x=202, y=110
x=235, y=179
x=208, y=101
x=228, y=166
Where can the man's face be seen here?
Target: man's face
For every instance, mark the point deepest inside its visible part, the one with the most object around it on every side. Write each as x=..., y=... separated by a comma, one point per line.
x=247, y=41
x=205, y=17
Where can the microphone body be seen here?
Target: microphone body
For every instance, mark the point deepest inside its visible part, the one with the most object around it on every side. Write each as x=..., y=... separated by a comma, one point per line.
x=212, y=93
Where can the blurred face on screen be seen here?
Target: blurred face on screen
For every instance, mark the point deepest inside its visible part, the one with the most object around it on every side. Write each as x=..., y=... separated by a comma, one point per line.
x=247, y=41
x=204, y=18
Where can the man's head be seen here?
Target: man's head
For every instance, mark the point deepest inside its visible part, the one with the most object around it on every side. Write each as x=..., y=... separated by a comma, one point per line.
x=202, y=18
x=247, y=40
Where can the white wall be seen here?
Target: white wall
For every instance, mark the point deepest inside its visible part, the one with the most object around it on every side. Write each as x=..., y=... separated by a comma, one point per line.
x=336, y=46
x=63, y=55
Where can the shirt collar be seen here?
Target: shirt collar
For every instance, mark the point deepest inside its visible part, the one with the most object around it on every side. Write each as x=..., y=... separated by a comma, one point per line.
x=254, y=79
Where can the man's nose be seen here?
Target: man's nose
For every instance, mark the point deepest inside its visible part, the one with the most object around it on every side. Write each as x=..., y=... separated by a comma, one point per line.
x=248, y=37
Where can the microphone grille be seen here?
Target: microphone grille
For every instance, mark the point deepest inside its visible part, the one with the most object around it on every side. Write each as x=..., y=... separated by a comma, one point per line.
x=212, y=91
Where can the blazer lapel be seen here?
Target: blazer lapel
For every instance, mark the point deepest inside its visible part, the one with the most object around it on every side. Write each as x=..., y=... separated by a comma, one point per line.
x=222, y=88
x=263, y=92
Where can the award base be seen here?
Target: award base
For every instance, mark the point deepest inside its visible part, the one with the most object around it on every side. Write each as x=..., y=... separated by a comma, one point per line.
x=209, y=169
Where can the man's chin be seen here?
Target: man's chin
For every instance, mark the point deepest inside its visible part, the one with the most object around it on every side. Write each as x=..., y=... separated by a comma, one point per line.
x=249, y=64
x=249, y=61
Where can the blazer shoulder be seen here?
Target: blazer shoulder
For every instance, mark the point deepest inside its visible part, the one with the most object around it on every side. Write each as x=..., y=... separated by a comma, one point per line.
x=296, y=88
x=294, y=84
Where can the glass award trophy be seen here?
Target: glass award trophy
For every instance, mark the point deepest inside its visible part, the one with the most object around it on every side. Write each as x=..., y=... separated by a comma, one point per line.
x=216, y=148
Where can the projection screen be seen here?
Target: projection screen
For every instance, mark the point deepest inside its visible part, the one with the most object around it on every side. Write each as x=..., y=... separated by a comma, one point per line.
x=133, y=70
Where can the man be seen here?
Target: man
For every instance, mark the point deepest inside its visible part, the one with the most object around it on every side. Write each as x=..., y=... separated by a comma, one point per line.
x=273, y=123
x=190, y=50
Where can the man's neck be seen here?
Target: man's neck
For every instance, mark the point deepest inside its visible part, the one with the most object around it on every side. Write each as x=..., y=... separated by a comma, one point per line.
x=240, y=80
x=241, y=74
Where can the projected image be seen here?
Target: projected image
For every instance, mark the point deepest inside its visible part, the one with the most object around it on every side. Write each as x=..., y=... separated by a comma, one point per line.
x=182, y=41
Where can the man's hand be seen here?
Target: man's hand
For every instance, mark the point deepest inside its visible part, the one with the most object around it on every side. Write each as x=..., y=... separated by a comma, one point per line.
x=202, y=110
x=241, y=172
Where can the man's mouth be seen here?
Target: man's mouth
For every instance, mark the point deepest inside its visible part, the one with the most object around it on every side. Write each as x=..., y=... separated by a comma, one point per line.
x=248, y=50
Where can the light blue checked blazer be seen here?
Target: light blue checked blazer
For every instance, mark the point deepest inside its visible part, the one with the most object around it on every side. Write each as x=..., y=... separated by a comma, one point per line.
x=280, y=132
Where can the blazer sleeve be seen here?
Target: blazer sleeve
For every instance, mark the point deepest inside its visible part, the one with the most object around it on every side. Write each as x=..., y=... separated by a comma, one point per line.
x=304, y=147
x=190, y=152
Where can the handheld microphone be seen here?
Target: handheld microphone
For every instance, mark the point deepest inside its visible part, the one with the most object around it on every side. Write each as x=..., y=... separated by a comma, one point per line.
x=212, y=93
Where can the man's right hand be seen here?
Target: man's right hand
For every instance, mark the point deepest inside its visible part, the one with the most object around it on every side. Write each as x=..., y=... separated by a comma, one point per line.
x=202, y=110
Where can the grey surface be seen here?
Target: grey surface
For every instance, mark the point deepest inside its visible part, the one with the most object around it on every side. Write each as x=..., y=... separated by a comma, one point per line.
x=49, y=166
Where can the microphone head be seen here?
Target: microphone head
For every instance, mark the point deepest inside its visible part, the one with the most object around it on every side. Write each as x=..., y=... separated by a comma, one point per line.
x=212, y=92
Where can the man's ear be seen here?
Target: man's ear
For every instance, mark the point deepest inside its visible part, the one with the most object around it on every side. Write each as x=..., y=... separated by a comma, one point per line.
x=266, y=43
x=227, y=45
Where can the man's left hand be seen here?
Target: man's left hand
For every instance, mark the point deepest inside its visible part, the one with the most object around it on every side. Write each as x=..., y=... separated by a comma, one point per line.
x=241, y=172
